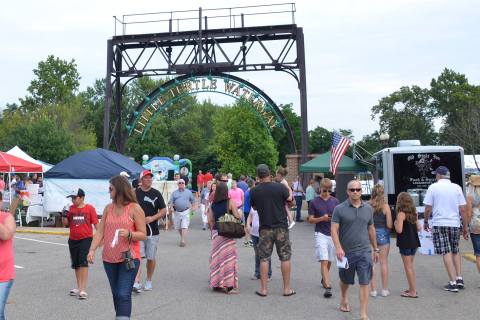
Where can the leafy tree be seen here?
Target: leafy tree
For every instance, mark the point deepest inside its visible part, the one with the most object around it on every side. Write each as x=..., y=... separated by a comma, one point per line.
x=56, y=82
x=456, y=101
x=320, y=140
x=93, y=103
x=241, y=140
x=36, y=132
x=369, y=145
x=406, y=114
x=450, y=93
x=281, y=138
x=43, y=140
x=464, y=130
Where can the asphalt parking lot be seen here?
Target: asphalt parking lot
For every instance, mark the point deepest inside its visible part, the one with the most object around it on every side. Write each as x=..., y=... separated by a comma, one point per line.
x=181, y=288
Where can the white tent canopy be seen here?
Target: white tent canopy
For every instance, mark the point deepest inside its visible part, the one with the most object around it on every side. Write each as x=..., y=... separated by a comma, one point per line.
x=17, y=152
x=469, y=163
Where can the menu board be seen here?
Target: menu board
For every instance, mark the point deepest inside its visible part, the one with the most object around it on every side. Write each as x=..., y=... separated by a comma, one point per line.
x=415, y=170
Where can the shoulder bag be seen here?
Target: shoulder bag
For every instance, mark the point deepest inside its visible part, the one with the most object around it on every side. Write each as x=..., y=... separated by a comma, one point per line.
x=230, y=227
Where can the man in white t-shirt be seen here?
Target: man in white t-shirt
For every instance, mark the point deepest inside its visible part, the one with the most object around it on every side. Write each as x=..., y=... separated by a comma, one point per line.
x=446, y=202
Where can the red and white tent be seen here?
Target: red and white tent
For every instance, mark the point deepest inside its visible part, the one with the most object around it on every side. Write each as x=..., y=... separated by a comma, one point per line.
x=12, y=164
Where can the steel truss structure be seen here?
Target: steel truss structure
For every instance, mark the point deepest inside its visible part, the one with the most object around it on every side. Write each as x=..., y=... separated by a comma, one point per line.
x=202, y=51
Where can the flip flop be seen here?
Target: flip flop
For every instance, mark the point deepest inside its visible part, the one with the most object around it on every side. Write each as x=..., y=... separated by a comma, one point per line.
x=406, y=294
x=345, y=308
x=258, y=293
x=289, y=294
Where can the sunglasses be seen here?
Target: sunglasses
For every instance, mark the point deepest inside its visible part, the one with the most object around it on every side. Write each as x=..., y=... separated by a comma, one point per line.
x=181, y=183
x=355, y=189
x=327, y=190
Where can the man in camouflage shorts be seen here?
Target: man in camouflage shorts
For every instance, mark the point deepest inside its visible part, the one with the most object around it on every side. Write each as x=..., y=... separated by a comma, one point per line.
x=269, y=199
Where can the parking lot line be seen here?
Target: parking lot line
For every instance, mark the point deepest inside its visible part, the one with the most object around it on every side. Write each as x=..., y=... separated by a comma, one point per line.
x=48, y=242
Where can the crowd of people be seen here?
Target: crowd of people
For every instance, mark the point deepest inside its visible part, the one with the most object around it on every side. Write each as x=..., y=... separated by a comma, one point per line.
x=354, y=234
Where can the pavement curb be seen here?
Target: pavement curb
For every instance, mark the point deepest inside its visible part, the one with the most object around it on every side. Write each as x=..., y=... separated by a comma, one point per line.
x=57, y=233
x=470, y=257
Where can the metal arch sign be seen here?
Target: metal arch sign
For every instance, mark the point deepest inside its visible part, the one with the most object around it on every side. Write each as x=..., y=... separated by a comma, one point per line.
x=142, y=119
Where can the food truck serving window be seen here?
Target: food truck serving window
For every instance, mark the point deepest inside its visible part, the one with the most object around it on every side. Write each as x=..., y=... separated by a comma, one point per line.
x=415, y=170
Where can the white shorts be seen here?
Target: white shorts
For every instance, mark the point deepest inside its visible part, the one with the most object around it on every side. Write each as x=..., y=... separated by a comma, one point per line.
x=181, y=220
x=203, y=211
x=324, y=248
x=148, y=247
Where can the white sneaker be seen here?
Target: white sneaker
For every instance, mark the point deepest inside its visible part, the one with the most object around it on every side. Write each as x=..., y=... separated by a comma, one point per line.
x=291, y=225
x=385, y=293
x=373, y=293
x=74, y=292
x=137, y=287
x=148, y=286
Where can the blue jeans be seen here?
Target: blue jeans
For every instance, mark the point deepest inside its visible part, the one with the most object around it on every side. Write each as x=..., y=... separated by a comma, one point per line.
x=298, y=203
x=121, y=284
x=4, y=291
x=257, y=259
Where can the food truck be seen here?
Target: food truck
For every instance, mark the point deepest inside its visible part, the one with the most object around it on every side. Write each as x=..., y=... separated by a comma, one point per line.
x=409, y=167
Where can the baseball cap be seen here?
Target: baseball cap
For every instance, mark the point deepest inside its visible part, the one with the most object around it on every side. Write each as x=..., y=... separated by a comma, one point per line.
x=263, y=171
x=442, y=170
x=80, y=193
x=146, y=173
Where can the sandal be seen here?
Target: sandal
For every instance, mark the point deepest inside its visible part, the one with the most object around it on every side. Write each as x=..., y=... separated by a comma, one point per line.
x=82, y=295
x=407, y=294
x=291, y=293
x=258, y=293
x=345, y=307
x=232, y=291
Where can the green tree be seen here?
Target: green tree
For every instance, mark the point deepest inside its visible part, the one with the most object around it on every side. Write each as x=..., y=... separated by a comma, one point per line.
x=280, y=136
x=457, y=102
x=35, y=132
x=241, y=140
x=450, y=93
x=406, y=114
x=320, y=140
x=93, y=103
x=56, y=82
x=369, y=144
x=43, y=140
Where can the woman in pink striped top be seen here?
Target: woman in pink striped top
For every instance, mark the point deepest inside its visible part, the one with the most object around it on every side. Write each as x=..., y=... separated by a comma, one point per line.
x=120, y=230
x=7, y=270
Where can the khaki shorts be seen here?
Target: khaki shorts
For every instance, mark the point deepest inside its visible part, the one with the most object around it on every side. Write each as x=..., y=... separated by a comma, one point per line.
x=181, y=219
x=277, y=236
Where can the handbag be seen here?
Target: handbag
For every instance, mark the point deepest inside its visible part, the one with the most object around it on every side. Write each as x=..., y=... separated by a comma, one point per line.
x=230, y=227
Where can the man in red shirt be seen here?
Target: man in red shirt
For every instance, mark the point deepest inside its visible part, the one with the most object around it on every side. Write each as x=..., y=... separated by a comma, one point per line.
x=80, y=217
x=200, y=181
x=208, y=177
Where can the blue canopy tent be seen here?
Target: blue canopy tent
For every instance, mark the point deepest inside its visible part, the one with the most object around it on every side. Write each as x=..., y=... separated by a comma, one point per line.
x=89, y=170
x=94, y=164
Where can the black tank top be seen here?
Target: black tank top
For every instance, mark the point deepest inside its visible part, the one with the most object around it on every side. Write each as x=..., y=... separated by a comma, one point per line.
x=379, y=220
x=219, y=209
x=408, y=239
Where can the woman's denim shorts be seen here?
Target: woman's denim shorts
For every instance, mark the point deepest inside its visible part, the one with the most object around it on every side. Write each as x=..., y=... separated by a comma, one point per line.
x=383, y=236
x=476, y=243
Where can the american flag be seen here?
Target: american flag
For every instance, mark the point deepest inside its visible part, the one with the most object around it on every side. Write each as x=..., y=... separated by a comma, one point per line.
x=339, y=147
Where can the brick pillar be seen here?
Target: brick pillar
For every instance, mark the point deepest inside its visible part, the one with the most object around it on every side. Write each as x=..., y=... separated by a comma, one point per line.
x=293, y=165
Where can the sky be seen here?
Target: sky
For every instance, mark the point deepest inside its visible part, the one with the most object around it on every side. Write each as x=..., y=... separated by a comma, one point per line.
x=356, y=51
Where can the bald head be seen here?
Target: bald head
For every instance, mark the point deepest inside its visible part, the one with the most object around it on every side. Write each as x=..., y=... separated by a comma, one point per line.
x=354, y=184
